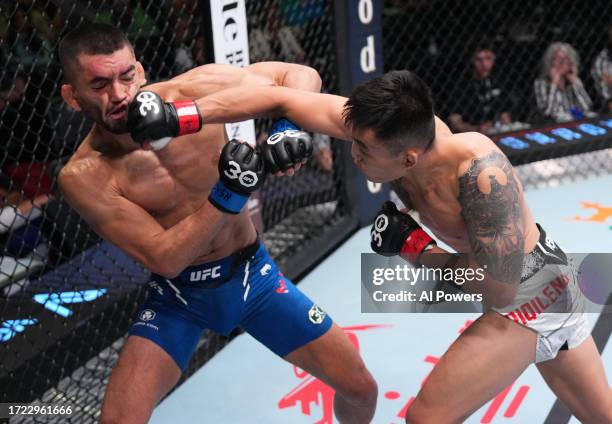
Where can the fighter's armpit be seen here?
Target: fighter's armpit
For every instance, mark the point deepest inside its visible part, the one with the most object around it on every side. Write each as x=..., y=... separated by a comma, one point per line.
x=489, y=197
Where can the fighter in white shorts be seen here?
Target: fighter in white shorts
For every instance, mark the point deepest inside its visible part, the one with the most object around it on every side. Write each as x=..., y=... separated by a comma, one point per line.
x=468, y=196
x=549, y=300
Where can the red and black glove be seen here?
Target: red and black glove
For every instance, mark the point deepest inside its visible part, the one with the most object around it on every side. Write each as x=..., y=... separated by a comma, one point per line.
x=151, y=119
x=396, y=233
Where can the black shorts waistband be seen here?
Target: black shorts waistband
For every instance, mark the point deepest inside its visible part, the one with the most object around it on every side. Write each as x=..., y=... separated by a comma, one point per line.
x=546, y=252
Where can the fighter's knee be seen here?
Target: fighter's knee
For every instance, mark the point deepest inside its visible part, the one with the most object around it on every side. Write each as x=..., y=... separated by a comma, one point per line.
x=602, y=414
x=415, y=414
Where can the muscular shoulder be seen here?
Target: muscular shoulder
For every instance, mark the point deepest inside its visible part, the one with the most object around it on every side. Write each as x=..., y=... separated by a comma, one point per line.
x=472, y=146
x=85, y=174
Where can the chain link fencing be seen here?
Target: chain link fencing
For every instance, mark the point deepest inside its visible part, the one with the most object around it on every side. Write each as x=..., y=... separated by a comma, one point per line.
x=67, y=297
x=497, y=66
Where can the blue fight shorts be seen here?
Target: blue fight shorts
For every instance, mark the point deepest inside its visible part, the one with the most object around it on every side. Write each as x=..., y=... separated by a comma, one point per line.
x=245, y=289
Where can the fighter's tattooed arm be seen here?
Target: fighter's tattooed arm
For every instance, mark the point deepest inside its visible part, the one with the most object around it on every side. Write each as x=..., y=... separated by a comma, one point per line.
x=489, y=197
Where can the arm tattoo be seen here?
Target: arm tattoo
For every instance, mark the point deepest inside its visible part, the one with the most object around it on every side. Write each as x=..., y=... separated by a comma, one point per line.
x=489, y=197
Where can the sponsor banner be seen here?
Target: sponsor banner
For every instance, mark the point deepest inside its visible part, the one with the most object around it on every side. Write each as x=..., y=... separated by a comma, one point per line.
x=231, y=46
x=574, y=283
x=359, y=55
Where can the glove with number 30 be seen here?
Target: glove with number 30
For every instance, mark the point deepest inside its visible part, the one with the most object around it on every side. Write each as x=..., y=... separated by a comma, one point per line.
x=241, y=172
x=396, y=233
x=150, y=119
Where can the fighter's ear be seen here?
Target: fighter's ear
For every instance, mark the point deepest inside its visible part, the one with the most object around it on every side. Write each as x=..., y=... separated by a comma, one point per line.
x=141, y=74
x=410, y=157
x=68, y=95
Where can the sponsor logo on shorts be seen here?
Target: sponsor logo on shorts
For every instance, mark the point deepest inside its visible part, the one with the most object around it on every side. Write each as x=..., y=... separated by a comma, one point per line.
x=147, y=315
x=547, y=297
x=550, y=243
x=282, y=286
x=265, y=270
x=316, y=315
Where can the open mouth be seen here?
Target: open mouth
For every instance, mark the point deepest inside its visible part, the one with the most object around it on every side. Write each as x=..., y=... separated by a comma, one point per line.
x=119, y=113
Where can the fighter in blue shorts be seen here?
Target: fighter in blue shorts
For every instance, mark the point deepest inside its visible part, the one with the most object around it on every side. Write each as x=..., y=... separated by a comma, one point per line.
x=245, y=289
x=178, y=208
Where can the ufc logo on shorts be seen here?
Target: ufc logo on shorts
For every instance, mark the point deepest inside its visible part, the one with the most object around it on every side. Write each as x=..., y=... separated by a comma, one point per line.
x=380, y=225
x=246, y=178
x=203, y=274
x=147, y=103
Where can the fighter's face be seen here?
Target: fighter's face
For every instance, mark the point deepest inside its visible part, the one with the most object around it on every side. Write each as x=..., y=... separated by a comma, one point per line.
x=105, y=85
x=375, y=160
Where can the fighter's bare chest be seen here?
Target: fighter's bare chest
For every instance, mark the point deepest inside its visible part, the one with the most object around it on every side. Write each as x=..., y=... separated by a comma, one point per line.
x=439, y=210
x=168, y=181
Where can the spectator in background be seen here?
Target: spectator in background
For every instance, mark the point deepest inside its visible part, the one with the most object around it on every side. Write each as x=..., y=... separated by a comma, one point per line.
x=199, y=51
x=482, y=103
x=559, y=92
x=24, y=179
x=190, y=50
x=602, y=74
x=273, y=39
x=24, y=133
x=183, y=57
x=24, y=187
x=32, y=34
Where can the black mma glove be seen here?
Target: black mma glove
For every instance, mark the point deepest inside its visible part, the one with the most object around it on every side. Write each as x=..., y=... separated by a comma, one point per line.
x=286, y=146
x=241, y=172
x=396, y=233
x=151, y=119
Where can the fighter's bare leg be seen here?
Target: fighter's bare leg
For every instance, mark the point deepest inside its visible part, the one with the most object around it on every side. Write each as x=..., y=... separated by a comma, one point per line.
x=143, y=375
x=578, y=378
x=334, y=360
x=488, y=356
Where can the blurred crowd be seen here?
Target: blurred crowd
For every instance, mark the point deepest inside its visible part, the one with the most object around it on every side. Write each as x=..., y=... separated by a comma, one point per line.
x=487, y=104
x=500, y=66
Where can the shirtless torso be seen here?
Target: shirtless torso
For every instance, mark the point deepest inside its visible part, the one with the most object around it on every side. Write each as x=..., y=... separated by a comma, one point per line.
x=154, y=205
x=170, y=185
x=135, y=198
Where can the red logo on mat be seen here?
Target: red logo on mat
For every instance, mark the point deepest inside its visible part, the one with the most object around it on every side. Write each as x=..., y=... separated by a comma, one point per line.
x=313, y=391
